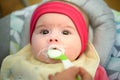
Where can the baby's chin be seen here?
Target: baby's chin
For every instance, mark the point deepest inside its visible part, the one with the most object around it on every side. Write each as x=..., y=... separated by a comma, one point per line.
x=48, y=60
x=52, y=62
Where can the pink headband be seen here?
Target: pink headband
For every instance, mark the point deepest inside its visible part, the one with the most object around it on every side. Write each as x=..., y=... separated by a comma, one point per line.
x=66, y=9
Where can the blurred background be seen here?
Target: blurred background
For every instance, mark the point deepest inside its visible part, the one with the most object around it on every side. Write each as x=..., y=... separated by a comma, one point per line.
x=8, y=6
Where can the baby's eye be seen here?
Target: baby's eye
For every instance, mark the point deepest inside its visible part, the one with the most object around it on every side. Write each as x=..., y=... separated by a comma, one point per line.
x=66, y=32
x=44, y=31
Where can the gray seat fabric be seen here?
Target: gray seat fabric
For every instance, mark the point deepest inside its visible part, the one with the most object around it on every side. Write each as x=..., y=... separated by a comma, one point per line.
x=4, y=37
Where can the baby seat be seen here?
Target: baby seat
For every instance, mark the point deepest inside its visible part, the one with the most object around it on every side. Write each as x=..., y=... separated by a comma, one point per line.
x=113, y=64
x=102, y=32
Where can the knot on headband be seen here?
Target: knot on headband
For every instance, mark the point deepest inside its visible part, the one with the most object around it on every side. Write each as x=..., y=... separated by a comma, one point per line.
x=66, y=9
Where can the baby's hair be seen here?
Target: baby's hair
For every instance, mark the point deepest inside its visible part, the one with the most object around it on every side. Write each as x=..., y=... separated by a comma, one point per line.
x=79, y=8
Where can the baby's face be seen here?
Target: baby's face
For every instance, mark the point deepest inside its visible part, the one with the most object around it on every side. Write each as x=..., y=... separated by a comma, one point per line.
x=55, y=29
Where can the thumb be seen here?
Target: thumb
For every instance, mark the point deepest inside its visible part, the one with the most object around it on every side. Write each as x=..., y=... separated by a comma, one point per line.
x=84, y=74
x=73, y=71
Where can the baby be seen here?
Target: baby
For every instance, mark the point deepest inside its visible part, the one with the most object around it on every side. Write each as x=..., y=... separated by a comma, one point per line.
x=58, y=25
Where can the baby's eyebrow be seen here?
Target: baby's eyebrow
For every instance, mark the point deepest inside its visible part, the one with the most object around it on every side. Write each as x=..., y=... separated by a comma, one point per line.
x=70, y=27
x=39, y=26
x=62, y=26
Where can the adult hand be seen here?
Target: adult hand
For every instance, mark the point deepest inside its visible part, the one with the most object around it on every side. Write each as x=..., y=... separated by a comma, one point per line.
x=71, y=74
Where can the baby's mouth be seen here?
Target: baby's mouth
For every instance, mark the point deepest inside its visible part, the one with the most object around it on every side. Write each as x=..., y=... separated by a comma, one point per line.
x=56, y=47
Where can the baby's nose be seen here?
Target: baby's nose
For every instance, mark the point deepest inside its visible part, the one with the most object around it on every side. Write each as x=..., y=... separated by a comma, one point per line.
x=53, y=40
x=53, y=37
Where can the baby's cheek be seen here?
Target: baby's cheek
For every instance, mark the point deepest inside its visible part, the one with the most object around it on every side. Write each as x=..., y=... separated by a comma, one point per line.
x=34, y=51
x=72, y=55
x=35, y=48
